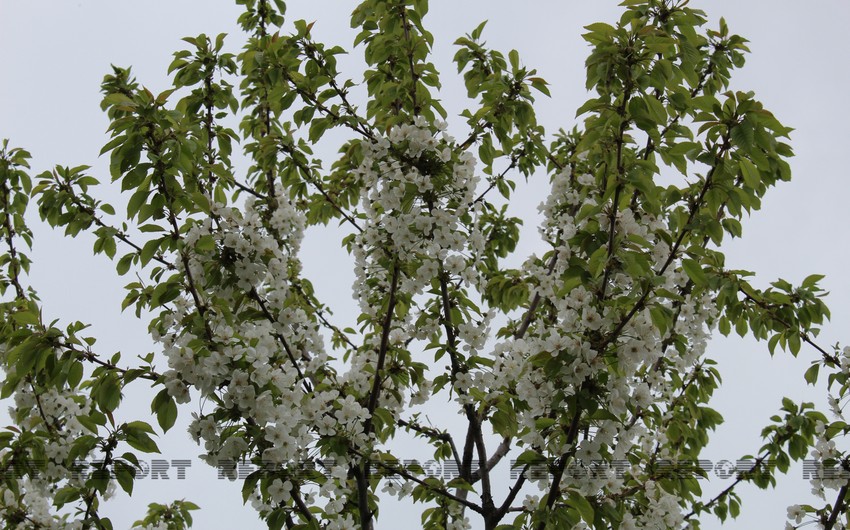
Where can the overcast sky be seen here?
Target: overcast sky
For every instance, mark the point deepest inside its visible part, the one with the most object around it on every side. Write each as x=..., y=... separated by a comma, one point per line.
x=55, y=53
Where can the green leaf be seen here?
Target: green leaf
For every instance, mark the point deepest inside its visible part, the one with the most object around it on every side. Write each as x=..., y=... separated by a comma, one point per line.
x=75, y=374
x=772, y=342
x=835, y=428
x=540, y=85
x=276, y=519
x=583, y=506
x=660, y=318
x=694, y=271
x=125, y=476
x=166, y=415
x=108, y=394
x=656, y=109
x=597, y=261
x=136, y=201
x=743, y=135
x=544, y=423
x=250, y=484
x=724, y=326
x=124, y=264
x=149, y=250
x=205, y=244
x=741, y=327
x=794, y=343
x=25, y=318
x=600, y=28
x=812, y=374
x=201, y=202
x=140, y=440
x=109, y=247
x=589, y=105
x=88, y=422
x=513, y=57
x=812, y=280
x=112, y=144
x=750, y=173
x=66, y=495
x=528, y=456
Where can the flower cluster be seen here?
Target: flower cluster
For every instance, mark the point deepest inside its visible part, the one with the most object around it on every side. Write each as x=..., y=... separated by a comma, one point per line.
x=588, y=339
x=418, y=196
x=262, y=369
x=52, y=412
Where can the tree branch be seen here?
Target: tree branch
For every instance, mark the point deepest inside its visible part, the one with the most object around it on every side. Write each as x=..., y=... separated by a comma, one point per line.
x=14, y=262
x=362, y=474
x=837, y=508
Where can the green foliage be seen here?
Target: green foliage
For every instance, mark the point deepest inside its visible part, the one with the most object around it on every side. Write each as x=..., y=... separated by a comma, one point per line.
x=601, y=337
x=174, y=516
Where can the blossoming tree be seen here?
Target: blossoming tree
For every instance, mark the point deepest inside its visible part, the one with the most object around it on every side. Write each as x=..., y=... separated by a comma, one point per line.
x=589, y=356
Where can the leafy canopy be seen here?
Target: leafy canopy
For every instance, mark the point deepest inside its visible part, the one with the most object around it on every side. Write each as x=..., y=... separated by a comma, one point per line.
x=584, y=367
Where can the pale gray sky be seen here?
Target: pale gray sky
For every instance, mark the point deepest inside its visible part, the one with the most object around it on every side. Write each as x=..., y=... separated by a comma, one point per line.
x=54, y=54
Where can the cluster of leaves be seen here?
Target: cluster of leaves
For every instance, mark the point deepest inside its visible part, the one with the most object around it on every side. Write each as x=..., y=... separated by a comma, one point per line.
x=174, y=516
x=42, y=361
